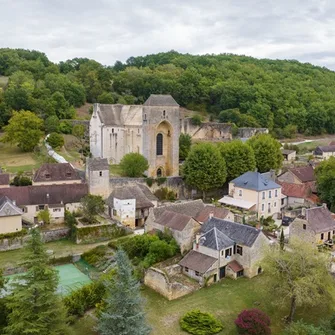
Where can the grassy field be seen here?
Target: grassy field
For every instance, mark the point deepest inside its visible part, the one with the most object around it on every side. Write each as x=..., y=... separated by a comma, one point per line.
x=310, y=146
x=115, y=170
x=225, y=300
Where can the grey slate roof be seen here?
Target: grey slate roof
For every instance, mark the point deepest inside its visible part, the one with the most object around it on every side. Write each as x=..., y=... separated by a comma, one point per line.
x=254, y=181
x=320, y=219
x=174, y=220
x=239, y=233
x=215, y=239
x=147, y=192
x=110, y=115
x=97, y=164
x=161, y=100
x=197, y=261
x=326, y=148
x=7, y=207
x=190, y=208
x=130, y=192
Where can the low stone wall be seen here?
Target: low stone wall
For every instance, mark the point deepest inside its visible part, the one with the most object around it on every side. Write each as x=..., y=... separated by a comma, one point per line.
x=159, y=281
x=55, y=234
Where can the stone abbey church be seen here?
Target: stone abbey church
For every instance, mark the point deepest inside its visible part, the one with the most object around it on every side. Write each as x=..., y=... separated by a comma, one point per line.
x=151, y=129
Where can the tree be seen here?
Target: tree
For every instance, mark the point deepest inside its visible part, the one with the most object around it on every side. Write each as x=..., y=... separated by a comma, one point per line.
x=204, y=168
x=300, y=328
x=24, y=129
x=239, y=158
x=325, y=180
x=34, y=306
x=51, y=124
x=299, y=276
x=185, y=143
x=55, y=140
x=79, y=132
x=3, y=309
x=282, y=240
x=133, y=165
x=44, y=216
x=253, y=321
x=92, y=205
x=267, y=152
x=123, y=311
x=21, y=180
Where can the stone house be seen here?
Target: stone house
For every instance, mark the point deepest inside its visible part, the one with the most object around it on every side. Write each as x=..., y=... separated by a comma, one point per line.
x=130, y=204
x=324, y=152
x=151, y=129
x=10, y=216
x=177, y=218
x=314, y=225
x=298, y=175
x=225, y=248
x=97, y=176
x=56, y=174
x=254, y=192
x=212, y=211
x=4, y=180
x=55, y=198
x=289, y=155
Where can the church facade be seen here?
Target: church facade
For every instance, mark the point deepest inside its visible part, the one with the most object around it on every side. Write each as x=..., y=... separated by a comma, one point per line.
x=151, y=129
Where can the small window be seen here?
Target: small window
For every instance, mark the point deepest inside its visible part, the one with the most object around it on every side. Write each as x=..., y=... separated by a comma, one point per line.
x=240, y=193
x=145, y=117
x=304, y=226
x=322, y=236
x=114, y=212
x=56, y=210
x=270, y=194
x=222, y=252
x=228, y=252
x=197, y=273
x=159, y=173
x=164, y=114
x=112, y=130
x=100, y=173
x=68, y=174
x=263, y=195
x=275, y=204
x=186, y=269
x=240, y=273
x=239, y=250
x=276, y=193
x=40, y=207
x=282, y=201
x=262, y=207
x=47, y=176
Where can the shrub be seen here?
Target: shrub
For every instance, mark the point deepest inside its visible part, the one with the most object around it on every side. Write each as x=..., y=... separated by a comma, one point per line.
x=95, y=255
x=161, y=180
x=55, y=140
x=165, y=194
x=21, y=180
x=196, y=120
x=300, y=328
x=149, y=181
x=65, y=127
x=199, y=323
x=133, y=165
x=253, y=322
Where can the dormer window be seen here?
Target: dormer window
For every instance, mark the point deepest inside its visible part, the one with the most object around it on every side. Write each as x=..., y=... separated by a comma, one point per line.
x=68, y=174
x=47, y=176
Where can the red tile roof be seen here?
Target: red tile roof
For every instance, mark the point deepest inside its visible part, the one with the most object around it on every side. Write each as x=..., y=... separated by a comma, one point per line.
x=174, y=220
x=305, y=173
x=235, y=266
x=4, y=179
x=56, y=172
x=218, y=212
x=303, y=191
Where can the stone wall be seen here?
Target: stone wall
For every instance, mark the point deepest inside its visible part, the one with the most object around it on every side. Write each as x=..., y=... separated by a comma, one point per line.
x=159, y=281
x=249, y=132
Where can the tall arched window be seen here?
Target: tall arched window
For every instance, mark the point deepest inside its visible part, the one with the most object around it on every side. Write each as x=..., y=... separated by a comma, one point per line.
x=159, y=144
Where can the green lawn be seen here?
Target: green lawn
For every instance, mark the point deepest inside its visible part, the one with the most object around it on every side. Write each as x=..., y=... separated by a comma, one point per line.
x=310, y=146
x=115, y=170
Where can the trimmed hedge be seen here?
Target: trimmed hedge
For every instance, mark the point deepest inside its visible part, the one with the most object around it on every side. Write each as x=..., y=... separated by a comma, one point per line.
x=200, y=323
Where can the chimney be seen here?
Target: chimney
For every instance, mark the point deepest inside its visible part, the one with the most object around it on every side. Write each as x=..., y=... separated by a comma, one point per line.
x=324, y=205
x=303, y=211
x=197, y=238
x=211, y=214
x=14, y=202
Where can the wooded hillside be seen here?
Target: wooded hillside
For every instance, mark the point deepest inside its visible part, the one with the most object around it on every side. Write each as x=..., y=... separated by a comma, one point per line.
x=285, y=96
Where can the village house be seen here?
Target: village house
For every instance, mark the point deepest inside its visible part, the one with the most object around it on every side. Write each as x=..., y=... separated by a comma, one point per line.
x=225, y=249
x=10, y=216
x=210, y=211
x=254, y=192
x=298, y=175
x=179, y=219
x=324, y=152
x=130, y=205
x=56, y=174
x=289, y=155
x=4, y=180
x=314, y=225
x=55, y=198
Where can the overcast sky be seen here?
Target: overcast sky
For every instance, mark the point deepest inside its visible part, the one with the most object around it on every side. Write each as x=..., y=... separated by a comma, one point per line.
x=110, y=30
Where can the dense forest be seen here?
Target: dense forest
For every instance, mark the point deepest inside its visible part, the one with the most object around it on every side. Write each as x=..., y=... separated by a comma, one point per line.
x=285, y=96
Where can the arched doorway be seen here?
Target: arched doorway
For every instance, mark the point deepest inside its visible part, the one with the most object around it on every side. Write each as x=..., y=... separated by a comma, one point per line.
x=160, y=172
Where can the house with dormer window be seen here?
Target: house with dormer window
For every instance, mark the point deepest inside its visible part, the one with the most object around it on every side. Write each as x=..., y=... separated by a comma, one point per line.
x=254, y=192
x=225, y=249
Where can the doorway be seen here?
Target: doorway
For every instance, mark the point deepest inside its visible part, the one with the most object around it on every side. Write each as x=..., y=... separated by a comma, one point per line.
x=222, y=272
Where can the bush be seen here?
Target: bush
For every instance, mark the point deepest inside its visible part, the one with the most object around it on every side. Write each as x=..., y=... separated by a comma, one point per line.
x=253, y=322
x=196, y=120
x=160, y=180
x=95, y=255
x=149, y=181
x=21, y=180
x=55, y=140
x=300, y=328
x=199, y=323
x=133, y=165
x=65, y=127
x=165, y=194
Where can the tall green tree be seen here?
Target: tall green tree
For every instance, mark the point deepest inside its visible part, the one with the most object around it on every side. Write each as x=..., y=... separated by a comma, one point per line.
x=24, y=129
x=299, y=276
x=3, y=308
x=34, y=306
x=185, y=143
x=123, y=313
x=239, y=158
x=205, y=168
x=325, y=180
x=92, y=205
x=267, y=152
x=133, y=165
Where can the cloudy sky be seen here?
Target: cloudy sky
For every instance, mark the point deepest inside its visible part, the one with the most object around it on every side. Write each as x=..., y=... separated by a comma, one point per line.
x=110, y=30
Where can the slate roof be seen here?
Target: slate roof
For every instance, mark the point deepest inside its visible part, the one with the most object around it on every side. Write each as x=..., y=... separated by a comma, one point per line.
x=7, y=208
x=147, y=192
x=110, y=115
x=254, y=181
x=320, y=219
x=239, y=233
x=304, y=173
x=4, y=178
x=45, y=194
x=190, y=208
x=173, y=220
x=215, y=239
x=287, y=152
x=97, y=164
x=197, y=261
x=161, y=100
x=325, y=148
x=218, y=212
x=56, y=172
x=130, y=192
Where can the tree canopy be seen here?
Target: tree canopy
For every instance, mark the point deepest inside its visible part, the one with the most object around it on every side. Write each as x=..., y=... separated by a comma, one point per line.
x=133, y=165
x=204, y=167
x=185, y=143
x=267, y=152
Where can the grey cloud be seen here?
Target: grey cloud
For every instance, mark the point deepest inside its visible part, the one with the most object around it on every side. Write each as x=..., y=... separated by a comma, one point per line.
x=110, y=30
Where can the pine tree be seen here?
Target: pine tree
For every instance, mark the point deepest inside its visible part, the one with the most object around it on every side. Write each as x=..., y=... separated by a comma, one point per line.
x=282, y=240
x=35, y=308
x=123, y=314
